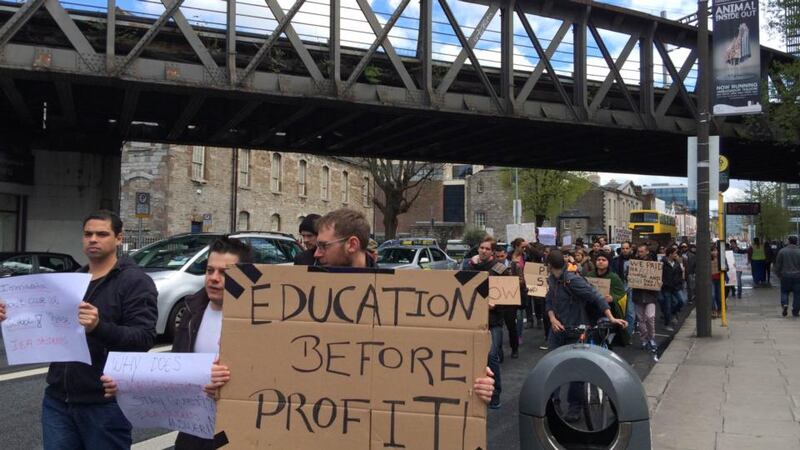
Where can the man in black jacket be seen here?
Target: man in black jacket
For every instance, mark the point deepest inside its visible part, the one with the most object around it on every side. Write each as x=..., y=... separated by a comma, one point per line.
x=200, y=327
x=308, y=231
x=119, y=314
x=671, y=284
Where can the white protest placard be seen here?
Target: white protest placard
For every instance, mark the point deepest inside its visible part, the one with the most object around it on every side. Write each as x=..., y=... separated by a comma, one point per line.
x=645, y=275
x=566, y=239
x=526, y=231
x=536, y=279
x=740, y=260
x=547, y=236
x=732, y=268
x=41, y=323
x=165, y=390
x=504, y=290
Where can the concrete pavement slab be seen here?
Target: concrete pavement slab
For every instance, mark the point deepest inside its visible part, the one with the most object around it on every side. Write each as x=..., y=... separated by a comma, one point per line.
x=730, y=441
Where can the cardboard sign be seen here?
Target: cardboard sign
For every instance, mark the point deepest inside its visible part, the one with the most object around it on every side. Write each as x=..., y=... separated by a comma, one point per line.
x=603, y=285
x=645, y=275
x=536, y=279
x=353, y=360
x=504, y=291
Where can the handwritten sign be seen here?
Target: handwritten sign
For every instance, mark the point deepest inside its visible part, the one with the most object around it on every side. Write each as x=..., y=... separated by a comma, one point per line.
x=547, y=235
x=603, y=285
x=504, y=291
x=41, y=323
x=732, y=268
x=536, y=279
x=645, y=275
x=164, y=390
x=353, y=360
x=740, y=261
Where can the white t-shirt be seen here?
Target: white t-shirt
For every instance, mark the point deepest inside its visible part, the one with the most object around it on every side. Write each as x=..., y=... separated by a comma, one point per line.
x=210, y=331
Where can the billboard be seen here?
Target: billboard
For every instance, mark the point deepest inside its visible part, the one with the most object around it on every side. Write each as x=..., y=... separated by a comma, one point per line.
x=736, y=56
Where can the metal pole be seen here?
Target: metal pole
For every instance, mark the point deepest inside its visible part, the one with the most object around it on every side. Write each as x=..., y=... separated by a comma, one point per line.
x=723, y=236
x=703, y=271
x=139, y=235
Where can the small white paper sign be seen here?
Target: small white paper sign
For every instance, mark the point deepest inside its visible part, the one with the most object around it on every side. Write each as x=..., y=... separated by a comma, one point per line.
x=41, y=323
x=547, y=235
x=165, y=390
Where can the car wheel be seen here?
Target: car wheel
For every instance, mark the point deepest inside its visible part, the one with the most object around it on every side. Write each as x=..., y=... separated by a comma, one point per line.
x=174, y=319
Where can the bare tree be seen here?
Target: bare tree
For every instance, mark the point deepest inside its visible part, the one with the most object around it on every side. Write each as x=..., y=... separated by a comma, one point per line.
x=401, y=183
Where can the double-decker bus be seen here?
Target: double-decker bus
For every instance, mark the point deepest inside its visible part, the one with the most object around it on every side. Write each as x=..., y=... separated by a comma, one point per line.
x=650, y=221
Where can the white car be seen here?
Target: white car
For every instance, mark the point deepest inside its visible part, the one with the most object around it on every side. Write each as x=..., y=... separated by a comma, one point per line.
x=177, y=266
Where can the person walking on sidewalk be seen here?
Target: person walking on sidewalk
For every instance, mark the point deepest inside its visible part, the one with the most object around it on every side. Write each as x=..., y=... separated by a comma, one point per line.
x=758, y=260
x=787, y=269
x=671, y=284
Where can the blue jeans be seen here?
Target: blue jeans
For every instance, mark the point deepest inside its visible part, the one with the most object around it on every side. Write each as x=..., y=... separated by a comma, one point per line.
x=72, y=426
x=791, y=284
x=630, y=313
x=670, y=302
x=494, y=360
x=759, y=274
x=717, y=299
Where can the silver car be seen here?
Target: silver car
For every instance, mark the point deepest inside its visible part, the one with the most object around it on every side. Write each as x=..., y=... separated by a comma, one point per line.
x=177, y=266
x=415, y=257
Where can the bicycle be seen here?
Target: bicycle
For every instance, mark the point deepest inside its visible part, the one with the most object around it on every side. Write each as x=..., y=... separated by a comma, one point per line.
x=595, y=406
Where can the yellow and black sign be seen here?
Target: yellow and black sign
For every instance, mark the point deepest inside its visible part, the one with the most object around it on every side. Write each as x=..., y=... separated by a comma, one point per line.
x=724, y=174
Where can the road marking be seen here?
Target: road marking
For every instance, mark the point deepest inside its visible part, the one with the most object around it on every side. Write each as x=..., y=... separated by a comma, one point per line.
x=157, y=443
x=23, y=374
x=42, y=370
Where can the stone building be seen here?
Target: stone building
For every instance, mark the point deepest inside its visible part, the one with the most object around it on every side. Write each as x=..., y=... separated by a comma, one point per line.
x=489, y=203
x=604, y=210
x=191, y=188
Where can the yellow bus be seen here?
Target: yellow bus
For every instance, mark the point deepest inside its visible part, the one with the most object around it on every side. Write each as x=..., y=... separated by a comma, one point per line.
x=647, y=221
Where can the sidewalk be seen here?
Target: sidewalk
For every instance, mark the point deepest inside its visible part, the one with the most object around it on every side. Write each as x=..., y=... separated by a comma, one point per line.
x=739, y=389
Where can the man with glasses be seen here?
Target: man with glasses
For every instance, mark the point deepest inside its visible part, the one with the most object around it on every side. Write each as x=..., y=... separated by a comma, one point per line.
x=342, y=239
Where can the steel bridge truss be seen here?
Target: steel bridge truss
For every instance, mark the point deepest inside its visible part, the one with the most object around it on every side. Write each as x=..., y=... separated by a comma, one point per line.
x=177, y=81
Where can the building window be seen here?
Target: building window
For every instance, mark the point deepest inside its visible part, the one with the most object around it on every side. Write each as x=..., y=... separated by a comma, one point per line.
x=480, y=220
x=244, y=168
x=198, y=163
x=302, y=189
x=479, y=187
x=275, y=222
x=326, y=182
x=244, y=221
x=345, y=187
x=365, y=200
x=277, y=175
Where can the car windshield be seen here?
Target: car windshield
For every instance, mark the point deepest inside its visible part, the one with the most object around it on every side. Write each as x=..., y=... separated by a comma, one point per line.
x=171, y=254
x=396, y=255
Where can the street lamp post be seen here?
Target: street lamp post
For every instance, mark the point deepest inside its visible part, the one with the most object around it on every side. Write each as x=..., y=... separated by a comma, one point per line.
x=703, y=268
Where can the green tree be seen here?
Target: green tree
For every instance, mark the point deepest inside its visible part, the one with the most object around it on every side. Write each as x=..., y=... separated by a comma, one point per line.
x=545, y=193
x=773, y=222
x=473, y=236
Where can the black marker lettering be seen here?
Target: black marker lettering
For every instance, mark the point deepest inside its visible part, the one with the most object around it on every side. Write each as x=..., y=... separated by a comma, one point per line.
x=346, y=417
x=445, y=365
x=364, y=357
x=382, y=357
x=311, y=298
x=392, y=442
x=305, y=339
x=422, y=361
x=332, y=356
x=397, y=292
x=254, y=305
x=437, y=405
x=458, y=299
x=299, y=410
x=318, y=407
x=418, y=313
x=365, y=303
x=337, y=305
x=430, y=305
x=280, y=403
x=301, y=301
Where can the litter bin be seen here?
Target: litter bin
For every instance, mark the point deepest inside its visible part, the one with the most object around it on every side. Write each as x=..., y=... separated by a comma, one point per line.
x=583, y=397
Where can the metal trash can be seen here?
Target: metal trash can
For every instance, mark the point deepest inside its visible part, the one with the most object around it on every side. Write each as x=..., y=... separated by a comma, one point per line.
x=583, y=397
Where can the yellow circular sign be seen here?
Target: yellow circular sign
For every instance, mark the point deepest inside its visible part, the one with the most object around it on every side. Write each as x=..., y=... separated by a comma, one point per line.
x=723, y=163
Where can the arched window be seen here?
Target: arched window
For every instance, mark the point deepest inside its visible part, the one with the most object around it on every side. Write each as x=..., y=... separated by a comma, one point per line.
x=277, y=174
x=345, y=187
x=326, y=183
x=243, y=223
x=275, y=222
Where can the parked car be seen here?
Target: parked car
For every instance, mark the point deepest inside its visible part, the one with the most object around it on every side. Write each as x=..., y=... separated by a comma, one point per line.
x=410, y=241
x=177, y=265
x=456, y=248
x=24, y=263
x=415, y=256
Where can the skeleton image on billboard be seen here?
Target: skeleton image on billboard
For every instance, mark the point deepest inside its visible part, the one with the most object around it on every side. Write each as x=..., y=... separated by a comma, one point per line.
x=736, y=57
x=738, y=50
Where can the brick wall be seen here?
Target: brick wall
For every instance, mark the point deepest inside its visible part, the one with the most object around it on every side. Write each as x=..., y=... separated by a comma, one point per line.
x=485, y=194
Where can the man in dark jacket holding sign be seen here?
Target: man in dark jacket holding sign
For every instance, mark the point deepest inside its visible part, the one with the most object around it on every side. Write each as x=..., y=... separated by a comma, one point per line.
x=118, y=313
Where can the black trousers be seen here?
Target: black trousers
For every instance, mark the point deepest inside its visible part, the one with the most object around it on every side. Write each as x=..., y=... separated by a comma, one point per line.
x=510, y=319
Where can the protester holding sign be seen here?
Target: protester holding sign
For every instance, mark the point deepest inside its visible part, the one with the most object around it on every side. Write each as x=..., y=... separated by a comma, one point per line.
x=617, y=294
x=644, y=301
x=342, y=238
x=671, y=284
x=517, y=267
x=201, y=324
x=118, y=313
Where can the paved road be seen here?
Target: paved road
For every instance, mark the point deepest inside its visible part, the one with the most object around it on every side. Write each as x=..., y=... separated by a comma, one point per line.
x=21, y=397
